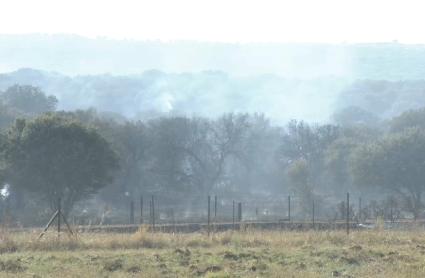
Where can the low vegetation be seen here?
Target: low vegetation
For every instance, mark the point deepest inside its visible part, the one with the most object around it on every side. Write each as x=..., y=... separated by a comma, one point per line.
x=230, y=254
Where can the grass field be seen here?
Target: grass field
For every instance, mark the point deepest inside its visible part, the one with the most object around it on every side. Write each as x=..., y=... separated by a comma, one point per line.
x=230, y=254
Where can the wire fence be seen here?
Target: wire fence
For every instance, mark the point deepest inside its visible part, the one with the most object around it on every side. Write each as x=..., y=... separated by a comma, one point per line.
x=288, y=212
x=222, y=212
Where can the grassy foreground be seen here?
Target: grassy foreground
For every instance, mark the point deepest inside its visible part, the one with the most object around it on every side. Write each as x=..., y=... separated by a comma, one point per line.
x=238, y=254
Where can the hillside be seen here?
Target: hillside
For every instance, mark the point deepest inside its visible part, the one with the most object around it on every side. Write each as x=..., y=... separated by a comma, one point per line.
x=74, y=55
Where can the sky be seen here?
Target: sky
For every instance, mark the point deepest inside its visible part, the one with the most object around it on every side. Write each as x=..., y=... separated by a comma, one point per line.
x=328, y=21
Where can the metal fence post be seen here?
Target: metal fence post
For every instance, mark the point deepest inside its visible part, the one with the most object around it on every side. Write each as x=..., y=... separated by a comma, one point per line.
x=215, y=207
x=59, y=217
x=141, y=209
x=209, y=212
x=153, y=214
x=348, y=213
x=233, y=218
x=131, y=212
x=313, y=220
x=289, y=208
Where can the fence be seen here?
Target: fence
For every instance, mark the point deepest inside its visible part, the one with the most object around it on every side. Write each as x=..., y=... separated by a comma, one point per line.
x=216, y=212
x=213, y=212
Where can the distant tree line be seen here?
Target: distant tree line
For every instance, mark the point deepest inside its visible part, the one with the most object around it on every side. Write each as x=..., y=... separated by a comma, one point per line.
x=88, y=155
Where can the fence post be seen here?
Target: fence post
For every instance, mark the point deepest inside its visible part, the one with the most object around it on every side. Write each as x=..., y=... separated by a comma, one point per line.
x=174, y=220
x=209, y=211
x=141, y=209
x=391, y=210
x=360, y=210
x=59, y=217
x=150, y=212
x=233, y=219
x=215, y=207
x=131, y=212
x=239, y=212
x=289, y=208
x=348, y=213
x=313, y=215
x=153, y=214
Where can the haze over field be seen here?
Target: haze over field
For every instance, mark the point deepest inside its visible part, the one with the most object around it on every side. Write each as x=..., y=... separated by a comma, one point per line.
x=102, y=102
x=138, y=78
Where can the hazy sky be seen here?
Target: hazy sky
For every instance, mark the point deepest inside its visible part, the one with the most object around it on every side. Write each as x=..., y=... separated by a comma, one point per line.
x=221, y=20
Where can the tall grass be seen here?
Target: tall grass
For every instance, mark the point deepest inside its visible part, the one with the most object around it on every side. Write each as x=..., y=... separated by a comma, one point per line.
x=244, y=239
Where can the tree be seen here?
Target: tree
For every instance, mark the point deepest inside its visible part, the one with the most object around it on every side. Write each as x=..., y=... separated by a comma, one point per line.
x=191, y=153
x=338, y=153
x=130, y=143
x=336, y=160
x=299, y=176
x=254, y=166
x=28, y=99
x=408, y=119
x=7, y=116
x=353, y=115
x=308, y=143
x=395, y=163
x=56, y=158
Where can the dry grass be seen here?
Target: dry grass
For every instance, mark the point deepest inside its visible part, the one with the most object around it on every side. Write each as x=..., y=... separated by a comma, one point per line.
x=229, y=254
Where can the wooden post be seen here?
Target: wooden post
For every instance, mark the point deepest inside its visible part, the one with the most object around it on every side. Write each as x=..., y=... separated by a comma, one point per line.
x=173, y=219
x=66, y=223
x=48, y=224
x=59, y=219
x=131, y=212
x=391, y=210
x=215, y=207
x=153, y=214
x=141, y=209
x=150, y=212
x=209, y=211
x=348, y=213
x=360, y=210
x=313, y=215
x=233, y=221
x=239, y=212
x=289, y=208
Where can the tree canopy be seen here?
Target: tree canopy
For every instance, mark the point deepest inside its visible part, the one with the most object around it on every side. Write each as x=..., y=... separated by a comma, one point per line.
x=28, y=99
x=55, y=157
x=395, y=164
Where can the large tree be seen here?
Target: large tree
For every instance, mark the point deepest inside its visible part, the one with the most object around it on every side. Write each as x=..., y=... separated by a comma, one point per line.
x=28, y=99
x=56, y=157
x=394, y=163
x=408, y=119
x=308, y=143
x=337, y=154
x=353, y=116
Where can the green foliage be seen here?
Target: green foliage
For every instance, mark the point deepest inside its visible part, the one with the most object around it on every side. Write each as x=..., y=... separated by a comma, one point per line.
x=394, y=163
x=7, y=115
x=353, y=115
x=408, y=119
x=300, y=179
x=28, y=99
x=336, y=159
x=58, y=158
x=337, y=154
x=298, y=173
x=303, y=147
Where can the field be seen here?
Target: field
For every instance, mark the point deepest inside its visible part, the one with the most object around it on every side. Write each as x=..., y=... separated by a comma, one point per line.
x=251, y=253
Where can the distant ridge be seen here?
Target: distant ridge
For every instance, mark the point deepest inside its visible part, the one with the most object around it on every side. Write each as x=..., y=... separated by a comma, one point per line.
x=75, y=55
